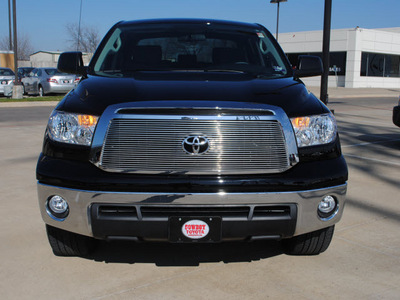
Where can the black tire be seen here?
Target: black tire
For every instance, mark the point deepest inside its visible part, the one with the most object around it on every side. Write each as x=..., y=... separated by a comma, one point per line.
x=65, y=243
x=312, y=243
x=23, y=90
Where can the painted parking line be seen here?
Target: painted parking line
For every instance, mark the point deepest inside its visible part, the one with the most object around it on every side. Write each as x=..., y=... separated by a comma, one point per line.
x=370, y=143
x=365, y=123
x=373, y=159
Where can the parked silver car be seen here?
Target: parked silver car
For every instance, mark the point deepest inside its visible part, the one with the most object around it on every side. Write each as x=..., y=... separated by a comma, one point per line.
x=43, y=81
x=7, y=78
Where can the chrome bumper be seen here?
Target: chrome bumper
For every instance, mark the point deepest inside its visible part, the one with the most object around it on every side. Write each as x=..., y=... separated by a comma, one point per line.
x=79, y=201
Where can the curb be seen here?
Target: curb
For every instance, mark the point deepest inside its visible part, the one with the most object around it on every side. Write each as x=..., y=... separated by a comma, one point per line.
x=28, y=104
x=362, y=96
x=340, y=93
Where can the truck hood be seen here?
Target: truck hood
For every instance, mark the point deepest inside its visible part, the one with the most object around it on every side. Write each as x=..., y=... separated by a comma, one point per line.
x=94, y=94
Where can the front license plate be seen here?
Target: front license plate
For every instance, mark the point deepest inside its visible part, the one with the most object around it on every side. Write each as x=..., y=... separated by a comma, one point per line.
x=194, y=229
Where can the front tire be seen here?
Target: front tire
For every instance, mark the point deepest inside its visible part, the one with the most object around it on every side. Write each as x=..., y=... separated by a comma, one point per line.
x=65, y=243
x=312, y=243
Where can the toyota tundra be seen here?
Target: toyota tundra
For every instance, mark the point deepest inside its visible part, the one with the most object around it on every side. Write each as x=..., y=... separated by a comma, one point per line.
x=190, y=131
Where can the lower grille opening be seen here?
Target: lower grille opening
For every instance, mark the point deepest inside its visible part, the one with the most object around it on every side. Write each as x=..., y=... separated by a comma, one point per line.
x=271, y=211
x=224, y=212
x=164, y=212
x=117, y=210
x=153, y=222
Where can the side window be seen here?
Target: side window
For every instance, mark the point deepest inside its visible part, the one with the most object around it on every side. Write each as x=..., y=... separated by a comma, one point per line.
x=39, y=73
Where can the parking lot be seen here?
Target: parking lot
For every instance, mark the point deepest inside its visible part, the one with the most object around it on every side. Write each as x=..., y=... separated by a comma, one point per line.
x=362, y=262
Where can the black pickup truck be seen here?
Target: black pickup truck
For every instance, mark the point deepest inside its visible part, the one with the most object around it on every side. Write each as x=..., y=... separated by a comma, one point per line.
x=188, y=130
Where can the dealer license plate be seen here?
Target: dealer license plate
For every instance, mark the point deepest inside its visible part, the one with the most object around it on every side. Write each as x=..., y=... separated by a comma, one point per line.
x=194, y=229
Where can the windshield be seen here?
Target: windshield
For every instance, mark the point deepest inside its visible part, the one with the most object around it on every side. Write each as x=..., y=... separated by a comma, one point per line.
x=53, y=72
x=188, y=48
x=6, y=72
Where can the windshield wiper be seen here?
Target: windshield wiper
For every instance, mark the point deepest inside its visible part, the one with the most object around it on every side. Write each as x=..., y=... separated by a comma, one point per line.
x=143, y=70
x=225, y=70
x=111, y=71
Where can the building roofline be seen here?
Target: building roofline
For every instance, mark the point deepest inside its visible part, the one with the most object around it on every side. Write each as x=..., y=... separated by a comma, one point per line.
x=389, y=30
x=49, y=52
x=54, y=52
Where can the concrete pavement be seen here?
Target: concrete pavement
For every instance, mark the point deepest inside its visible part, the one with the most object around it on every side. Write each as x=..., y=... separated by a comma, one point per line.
x=361, y=263
x=340, y=92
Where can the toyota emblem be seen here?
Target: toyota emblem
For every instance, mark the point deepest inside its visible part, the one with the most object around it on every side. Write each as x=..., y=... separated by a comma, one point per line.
x=196, y=144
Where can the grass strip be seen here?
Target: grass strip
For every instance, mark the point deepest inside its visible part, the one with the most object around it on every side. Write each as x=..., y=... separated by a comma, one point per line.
x=33, y=99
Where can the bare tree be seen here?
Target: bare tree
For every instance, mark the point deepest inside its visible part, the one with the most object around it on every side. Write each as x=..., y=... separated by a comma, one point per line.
x=25, y=47
x=88, y=39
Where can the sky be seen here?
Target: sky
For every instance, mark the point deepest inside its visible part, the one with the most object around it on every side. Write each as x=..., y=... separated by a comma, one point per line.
x=44, y=21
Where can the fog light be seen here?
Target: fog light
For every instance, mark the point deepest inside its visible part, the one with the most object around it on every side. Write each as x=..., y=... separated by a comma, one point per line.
x=57, y=208
x=327, y=208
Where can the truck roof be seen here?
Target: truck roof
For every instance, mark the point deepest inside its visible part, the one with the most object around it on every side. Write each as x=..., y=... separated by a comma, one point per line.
x=190, y=21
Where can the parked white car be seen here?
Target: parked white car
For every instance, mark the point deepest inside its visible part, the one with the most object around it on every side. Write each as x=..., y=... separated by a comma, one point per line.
x=7, y=78
x=42, y=81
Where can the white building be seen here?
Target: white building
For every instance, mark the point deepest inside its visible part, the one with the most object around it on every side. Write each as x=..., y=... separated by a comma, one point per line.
x=50, y=58
x=358, y=57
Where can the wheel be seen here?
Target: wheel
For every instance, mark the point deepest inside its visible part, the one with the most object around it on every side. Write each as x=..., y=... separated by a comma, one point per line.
x=41, y=91
x=23, y=89
x=312, y=243
x=65, y=243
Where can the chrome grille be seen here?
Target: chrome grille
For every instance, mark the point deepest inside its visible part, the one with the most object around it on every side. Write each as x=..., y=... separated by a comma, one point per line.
x=154, y=145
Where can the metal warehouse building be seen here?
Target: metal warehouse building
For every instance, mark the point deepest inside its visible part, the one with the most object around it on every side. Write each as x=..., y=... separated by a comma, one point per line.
x=50, y=58
x=358, y=57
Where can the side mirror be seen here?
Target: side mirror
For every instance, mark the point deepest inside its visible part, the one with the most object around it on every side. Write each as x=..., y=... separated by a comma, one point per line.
x=308, y=66
x=72, y=63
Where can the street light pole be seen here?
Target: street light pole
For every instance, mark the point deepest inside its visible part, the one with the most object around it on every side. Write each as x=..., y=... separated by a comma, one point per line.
x=277, y=15
x=79, y=28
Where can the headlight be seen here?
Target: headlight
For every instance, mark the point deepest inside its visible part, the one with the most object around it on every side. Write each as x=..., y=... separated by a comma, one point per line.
x=314, y=130
x=71, y=128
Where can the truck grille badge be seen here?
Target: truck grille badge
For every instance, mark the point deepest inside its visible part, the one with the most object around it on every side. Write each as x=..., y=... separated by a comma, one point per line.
x=195, y=144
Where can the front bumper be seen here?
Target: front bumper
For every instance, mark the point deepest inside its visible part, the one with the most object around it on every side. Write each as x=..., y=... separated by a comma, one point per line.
x=146, y=215
x=3, y=88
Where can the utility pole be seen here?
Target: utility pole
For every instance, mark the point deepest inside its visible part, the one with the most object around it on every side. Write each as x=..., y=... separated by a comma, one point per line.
x=325, y=50
x=9, y=26
x=15, y=41
x=17, y=88
x=277, y=15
